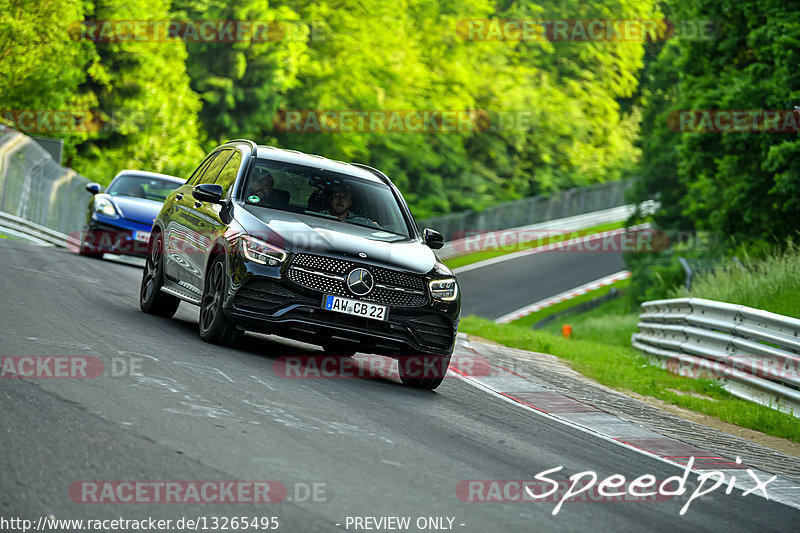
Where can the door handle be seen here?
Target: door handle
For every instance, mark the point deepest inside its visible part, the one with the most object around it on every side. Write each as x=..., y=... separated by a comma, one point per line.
x=198, y=203
x=179, y=196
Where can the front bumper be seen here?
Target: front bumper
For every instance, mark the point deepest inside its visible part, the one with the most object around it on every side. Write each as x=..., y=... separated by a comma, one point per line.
x=263, y=299
x=116, y=236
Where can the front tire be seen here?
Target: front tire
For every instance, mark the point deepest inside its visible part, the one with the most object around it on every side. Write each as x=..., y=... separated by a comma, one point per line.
x=339, y=349
x=214, y=325
x=423, y=371
x=151, y=299
x=85, y=251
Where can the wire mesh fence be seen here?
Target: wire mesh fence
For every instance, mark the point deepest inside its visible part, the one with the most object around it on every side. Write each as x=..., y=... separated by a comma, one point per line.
x=34, y=187
x=533, y=210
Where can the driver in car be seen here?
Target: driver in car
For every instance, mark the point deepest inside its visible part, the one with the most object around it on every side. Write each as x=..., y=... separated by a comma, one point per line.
x=261, y=187
x=135, y=190
x=339, y=202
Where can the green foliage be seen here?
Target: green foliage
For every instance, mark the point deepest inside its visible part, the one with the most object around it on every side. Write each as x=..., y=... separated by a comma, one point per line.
x=411, y=55
x=40, y=64
x=654, y=275
x=243, y=83
x=546, y=116
x=772, y=283
x=140, y=91
x=742, y=186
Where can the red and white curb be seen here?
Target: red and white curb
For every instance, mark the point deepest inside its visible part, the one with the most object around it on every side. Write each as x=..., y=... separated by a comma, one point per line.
x=537, y=399
x=566, y=295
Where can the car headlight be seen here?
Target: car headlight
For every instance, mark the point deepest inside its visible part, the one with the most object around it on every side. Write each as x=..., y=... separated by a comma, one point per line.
x=104, y=206
x=262, y=252
x=443, y=289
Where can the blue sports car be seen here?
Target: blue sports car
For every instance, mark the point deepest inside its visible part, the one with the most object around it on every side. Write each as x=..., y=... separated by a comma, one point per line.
x=119, y=220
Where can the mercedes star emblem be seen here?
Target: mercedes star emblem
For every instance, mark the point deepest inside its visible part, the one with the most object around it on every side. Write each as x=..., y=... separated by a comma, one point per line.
x=360, y=281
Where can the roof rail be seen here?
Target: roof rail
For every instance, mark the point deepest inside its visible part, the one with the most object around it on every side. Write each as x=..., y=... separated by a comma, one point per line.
x=253, y=145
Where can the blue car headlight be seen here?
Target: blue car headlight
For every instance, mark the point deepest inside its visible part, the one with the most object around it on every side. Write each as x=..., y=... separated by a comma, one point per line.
x=104, y=206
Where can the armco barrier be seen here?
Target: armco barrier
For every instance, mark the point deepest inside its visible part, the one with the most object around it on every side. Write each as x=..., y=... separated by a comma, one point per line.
x=755, y=353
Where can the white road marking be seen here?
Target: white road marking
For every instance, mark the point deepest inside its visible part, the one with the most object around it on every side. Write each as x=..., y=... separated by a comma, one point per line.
x=566, y=295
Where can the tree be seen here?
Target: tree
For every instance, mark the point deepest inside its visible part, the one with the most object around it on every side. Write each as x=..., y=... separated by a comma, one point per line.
x=139, y=89
x=40, y=64
x=243, y=81
x=741, y=184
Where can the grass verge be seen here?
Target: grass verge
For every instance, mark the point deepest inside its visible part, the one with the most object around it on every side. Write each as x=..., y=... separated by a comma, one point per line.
x=600, y=350
x=490, y=253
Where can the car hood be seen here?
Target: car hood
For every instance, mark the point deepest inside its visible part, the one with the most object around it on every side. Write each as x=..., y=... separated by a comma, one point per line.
x=137, y=209
x=306, y=233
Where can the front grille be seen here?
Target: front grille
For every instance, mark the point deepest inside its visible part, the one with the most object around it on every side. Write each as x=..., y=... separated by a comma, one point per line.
x=327, y=275
x=267, y=296
x=431, y=329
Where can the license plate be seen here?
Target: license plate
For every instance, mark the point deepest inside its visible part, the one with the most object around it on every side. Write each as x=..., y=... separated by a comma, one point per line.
x=355, y=307
x=141, y=236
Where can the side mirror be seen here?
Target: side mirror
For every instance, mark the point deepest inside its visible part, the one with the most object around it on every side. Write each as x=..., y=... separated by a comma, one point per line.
x=208, y=192
x=93, y=188
x=433, y=239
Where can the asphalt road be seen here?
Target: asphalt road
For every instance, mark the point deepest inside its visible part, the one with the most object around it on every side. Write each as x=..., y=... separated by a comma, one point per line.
x=504, y=287
x=194, y=411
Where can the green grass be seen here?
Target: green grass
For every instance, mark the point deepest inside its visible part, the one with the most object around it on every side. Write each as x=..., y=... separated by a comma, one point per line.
x=533, y=318
x=600, y=349
x=516, y=247
x=613, y=322
x=772, y=283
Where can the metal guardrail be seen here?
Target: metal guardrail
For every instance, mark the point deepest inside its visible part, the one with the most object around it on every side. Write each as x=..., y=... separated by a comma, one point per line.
x=754, y=353
x=35, y=232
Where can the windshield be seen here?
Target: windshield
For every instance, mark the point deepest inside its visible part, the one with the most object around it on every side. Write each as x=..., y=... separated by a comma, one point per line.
x=142, y=187
x=325, y=194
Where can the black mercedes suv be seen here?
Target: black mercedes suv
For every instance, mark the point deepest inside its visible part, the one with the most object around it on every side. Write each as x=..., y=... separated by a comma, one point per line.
x=301, y=246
